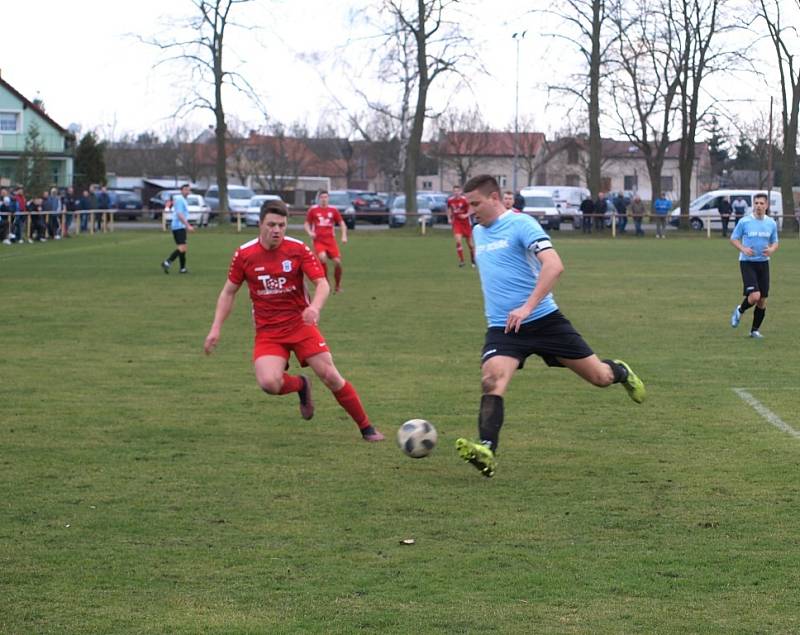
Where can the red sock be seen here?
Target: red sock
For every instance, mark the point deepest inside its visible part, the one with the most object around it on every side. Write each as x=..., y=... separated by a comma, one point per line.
x=349, y=400
x=460, y=252
x=337, y=274
x=291, y=383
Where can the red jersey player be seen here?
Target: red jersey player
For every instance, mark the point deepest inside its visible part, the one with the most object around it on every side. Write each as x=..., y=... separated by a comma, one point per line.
x=274, y=266
x=320, y=224
x=458, y=216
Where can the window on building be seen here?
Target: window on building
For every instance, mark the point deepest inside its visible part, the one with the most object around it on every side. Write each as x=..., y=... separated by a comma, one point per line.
x=631, y=182
x=667, y=184
x=427, y=185
x=572, y=155
x=573, y=180
x=9, y=122
x=501, y=180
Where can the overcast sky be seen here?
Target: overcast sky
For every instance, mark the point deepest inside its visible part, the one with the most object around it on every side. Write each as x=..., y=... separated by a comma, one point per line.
x=90, y=69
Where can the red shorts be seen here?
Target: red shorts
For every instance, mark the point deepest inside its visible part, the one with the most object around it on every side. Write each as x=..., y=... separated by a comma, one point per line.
x=328, y=246
x=305, y=342
x=463, y=227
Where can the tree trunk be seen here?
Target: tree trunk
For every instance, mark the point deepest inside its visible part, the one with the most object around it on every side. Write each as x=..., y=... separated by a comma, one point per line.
x=415, y=138
x=221, y=133
x=595, y=141
x=789, y=159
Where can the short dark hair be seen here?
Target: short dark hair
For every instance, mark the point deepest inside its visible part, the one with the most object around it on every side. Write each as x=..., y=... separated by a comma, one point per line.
x=762, y=195
x=182, y=186
x=321, y=192
x=273, y=207
x=486, y=183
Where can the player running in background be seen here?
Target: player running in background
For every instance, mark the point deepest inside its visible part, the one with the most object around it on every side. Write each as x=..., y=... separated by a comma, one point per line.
x=320, y=224
x=179, y=225
x=756, y=237
x=458, y=214
x=518, y=268
x=274, y=266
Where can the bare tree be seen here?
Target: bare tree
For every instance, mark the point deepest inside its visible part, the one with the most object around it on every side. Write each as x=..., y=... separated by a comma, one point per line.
x=431, y=46
x=783, y=37
x=463, y=137
x=202, y=51
x=590, y=22
x=645, y=82
x=699, y=23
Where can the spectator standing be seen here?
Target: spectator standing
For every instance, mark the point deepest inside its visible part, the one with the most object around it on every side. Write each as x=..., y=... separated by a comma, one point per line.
x=52, y=205
x=637, y=212
x=20, y=214
x=85, y=204
x=661, y=207
x=103, y=204
x=70, y=205
x=600, y=208
x=36, y=220
x=587, y=209
x=739, y=206
x=621, y=207
x=724, y=208
x=5, y=217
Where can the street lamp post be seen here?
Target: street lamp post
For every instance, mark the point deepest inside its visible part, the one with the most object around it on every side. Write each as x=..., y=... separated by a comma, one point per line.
x=516, y=37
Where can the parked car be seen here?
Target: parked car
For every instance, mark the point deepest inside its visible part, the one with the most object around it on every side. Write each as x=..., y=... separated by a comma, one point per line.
x=370, y=207
x=159, y=201
x=704, y=208
x=252, y=217
x=398, y=215
x=128, y=204
x=437, y=203
x=568, y=201
x=238, y=198
x=540, y=204
x=344, y=201
x=198, y=211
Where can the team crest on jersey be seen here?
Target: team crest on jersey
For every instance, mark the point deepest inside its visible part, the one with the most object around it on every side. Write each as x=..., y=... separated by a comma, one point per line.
x=287, y=265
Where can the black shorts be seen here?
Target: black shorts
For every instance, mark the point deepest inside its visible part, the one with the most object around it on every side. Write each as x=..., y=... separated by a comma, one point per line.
x=180, y=236
x=755, y=277
x=550, y=337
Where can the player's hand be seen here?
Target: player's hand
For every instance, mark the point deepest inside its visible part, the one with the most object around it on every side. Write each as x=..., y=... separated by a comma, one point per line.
x=311, y=316
x=190, y=227
x=313, y=235
x=344, y=239
x=515, y=318
x=211, y=342
x=748, y=251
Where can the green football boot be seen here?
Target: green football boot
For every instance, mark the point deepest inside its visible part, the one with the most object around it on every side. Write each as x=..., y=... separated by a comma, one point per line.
x=633, y=384
x=479, y=455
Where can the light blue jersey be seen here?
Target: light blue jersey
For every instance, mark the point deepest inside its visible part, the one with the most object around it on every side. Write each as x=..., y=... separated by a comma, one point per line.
x=508, y=267
x=758, y=234
x=179, y=205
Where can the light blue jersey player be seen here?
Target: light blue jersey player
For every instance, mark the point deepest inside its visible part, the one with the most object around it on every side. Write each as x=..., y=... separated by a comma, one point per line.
x=518, y=268
x=756, y=238
x=179, y=226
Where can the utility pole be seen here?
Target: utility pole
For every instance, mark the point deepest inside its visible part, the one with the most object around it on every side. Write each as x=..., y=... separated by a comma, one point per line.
x=516, y=37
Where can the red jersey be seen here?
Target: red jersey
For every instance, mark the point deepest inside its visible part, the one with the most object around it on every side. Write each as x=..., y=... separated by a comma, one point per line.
x=275, y=279
x=459, y=207
x=323, y=220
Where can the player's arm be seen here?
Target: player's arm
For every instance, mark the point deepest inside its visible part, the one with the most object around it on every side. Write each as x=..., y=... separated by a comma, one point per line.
x=449, y=213
x=322, y=289
x=223, y=310
x=740, y=246
x=552, y=267
x=184, y=220
x=343, y=229
x=309, y=229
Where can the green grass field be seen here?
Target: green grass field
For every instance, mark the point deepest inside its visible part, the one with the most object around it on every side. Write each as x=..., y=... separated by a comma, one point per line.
x=147, y=488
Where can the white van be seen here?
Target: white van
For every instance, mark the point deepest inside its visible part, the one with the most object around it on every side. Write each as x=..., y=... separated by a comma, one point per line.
x=540, y=204
x=704, y=208
x=568, y=201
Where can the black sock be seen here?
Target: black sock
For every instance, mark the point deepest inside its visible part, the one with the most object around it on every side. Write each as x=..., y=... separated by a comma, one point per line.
x=173, y=255
x=182, y=256
x=758, y=318
x=745, y=305
x=620, y=372
x=490, y=420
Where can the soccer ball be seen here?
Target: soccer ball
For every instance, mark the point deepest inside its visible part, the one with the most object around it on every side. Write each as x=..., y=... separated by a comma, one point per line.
x=416, y=438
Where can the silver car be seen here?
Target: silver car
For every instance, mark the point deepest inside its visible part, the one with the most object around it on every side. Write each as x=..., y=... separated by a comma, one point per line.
x=252, y=216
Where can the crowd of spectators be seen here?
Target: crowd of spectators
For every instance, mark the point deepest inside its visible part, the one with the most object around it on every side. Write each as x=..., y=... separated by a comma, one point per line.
x=49, y=214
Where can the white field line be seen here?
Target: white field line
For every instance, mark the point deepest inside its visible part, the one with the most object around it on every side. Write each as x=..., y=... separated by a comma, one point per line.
x=765, y=412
